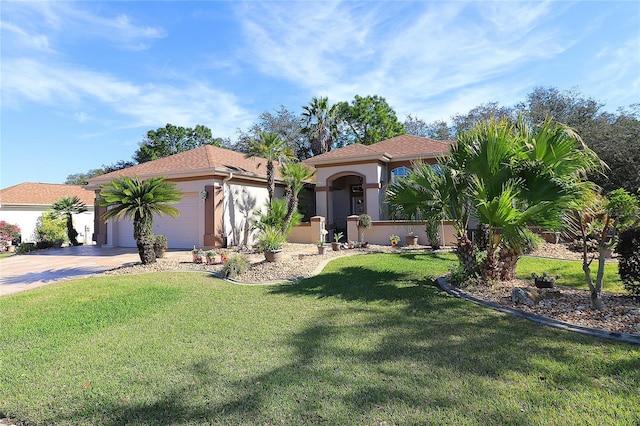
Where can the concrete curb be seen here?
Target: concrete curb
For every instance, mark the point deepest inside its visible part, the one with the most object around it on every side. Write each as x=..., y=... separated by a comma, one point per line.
x=445, y=286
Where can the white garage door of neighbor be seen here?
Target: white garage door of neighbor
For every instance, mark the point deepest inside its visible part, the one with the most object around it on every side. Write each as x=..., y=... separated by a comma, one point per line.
x=181, y=232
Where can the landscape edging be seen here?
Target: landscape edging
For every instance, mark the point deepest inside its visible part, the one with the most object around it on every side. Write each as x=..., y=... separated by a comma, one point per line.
x=445, y=286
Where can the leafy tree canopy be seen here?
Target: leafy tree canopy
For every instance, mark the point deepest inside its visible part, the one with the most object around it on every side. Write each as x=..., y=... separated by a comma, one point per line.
x=82, y=178
x=438, y=129
x=284, y=123
x=170, y=139
x=367, y=120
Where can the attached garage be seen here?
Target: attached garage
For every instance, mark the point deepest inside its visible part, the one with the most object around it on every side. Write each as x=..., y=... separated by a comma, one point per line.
x=220, y=190
x=182, y=231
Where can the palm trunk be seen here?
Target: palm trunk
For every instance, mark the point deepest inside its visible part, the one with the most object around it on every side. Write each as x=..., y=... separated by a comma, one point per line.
x=508, y=263
x=292, y=206
x=465, y=254
x=491, y=268
x=142, y=232
x=270, y=181
x=71, y=232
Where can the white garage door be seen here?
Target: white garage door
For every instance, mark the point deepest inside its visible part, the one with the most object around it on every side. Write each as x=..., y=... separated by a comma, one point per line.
x=182, y=231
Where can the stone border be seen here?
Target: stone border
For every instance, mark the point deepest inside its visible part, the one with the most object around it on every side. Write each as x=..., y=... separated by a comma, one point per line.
x=445, y=286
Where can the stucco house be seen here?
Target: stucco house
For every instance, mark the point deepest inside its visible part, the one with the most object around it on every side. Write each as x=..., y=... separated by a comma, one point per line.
x=221, y=190
x=352, y=180
x=24, y=203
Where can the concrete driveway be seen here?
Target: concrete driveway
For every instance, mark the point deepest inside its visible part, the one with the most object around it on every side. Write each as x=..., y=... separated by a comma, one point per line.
x=24, y=272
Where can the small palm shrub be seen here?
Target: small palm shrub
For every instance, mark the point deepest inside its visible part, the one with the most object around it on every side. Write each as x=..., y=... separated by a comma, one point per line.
x=628, y=249
x=160, y=245
x=235, y=266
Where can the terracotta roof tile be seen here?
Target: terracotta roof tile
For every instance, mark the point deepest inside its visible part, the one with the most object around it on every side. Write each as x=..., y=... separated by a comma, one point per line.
x=399, y=146
x=412, y=145
x=43, y=193
x=201, y=158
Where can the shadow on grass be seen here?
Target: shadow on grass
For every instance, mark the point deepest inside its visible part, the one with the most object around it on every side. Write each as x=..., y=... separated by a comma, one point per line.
x=419, y=357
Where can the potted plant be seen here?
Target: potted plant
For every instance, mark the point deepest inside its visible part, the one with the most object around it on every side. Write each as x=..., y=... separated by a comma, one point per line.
x=410, y=239
x=322, y=244
x=545, y=280
x=160, y=245
x=197, y=255
x=335, y=245
x=395, y=240
x=211, y=257
x=364, y=222
x=271, y=242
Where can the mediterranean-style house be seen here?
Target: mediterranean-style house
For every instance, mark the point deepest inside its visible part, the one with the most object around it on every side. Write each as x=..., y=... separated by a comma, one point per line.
x=24, y=203
x=352, y=180
x=222, y=189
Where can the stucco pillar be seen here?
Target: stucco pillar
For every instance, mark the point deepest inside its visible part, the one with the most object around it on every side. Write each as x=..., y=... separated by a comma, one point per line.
x=317, y=226
x=99, y=226
x=352, y=228
x=213, y=217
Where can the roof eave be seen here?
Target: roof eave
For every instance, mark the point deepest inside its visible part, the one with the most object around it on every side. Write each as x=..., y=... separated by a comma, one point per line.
x=384, y=157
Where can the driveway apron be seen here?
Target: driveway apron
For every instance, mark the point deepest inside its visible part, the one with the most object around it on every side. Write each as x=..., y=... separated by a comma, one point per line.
x=24, y=272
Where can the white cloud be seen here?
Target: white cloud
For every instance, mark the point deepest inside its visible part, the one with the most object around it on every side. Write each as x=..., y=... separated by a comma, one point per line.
x=408, y=52
x=615, y=78
x=36, y=22
x=67, y=87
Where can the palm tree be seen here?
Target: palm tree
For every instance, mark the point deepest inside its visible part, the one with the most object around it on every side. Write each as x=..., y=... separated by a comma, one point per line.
x=67, y=207
x=321, y=124
x=272, y=148
x=521, y=176
x=294, y=176
x=140, y=200
x=433, y=194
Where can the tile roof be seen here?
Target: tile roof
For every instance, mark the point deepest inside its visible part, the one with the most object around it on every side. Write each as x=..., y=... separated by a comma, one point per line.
x=43, y=193
x=399, y=146
x=405, y=145
x=207, y=159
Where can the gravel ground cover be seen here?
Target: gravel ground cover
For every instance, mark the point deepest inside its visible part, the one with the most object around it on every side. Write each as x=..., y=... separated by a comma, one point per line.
x=621, y=313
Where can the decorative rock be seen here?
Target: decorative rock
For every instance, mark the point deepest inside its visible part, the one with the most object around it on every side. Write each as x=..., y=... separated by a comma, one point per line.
x=520, y=296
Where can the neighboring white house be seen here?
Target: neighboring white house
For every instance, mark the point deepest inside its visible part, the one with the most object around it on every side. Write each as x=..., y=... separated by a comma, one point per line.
x=24, y=203
x=221, y=190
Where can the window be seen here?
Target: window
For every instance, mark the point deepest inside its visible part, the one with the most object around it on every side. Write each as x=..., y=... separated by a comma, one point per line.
x=399, y=172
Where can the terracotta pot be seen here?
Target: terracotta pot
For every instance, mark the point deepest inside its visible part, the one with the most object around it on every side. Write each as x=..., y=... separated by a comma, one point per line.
x=539, y=283
x=411, y=240
x=335, y=246
x=273, y=255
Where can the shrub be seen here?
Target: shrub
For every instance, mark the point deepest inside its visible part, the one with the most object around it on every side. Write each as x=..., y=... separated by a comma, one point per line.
x=234, y=266
x=271, y=239
x=628, y=249
x=51, y=231
x=459, y=277
x=9, y=234
x=26, y=247
x=160, y=245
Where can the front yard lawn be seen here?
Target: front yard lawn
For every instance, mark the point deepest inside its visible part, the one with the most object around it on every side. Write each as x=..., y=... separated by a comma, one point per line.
x=369, y=341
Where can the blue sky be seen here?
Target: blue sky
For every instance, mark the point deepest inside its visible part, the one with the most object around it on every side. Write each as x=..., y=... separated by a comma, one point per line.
x=82, y=82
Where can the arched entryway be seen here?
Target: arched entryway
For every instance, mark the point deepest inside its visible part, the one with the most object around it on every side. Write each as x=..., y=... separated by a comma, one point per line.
x=347, y=196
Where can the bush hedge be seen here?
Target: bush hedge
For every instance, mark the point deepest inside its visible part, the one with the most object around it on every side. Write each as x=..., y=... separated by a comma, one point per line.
x=628, y=249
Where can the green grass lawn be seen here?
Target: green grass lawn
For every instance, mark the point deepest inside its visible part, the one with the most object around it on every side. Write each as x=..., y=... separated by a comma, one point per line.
x=3, y=255
x=571, y=272
x=371, y=340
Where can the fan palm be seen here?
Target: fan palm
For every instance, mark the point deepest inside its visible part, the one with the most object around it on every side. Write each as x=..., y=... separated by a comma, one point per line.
x=67, y=207
x=320, y=124
x=140, y=200
x=272, y=148
x=294, y=176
